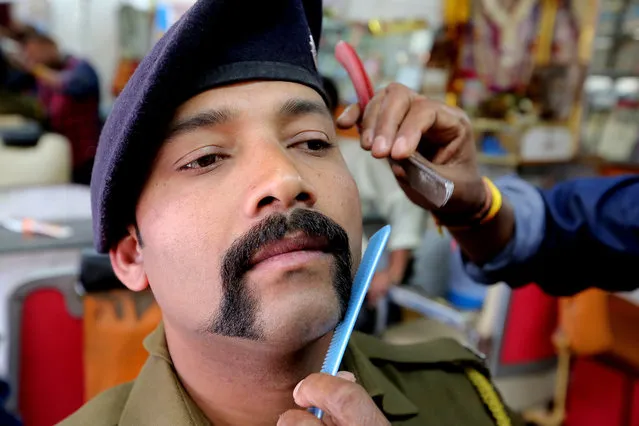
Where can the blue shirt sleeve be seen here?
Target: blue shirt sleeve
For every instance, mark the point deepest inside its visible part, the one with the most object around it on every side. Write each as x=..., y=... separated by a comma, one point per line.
x=528, y=206
x=589, y=237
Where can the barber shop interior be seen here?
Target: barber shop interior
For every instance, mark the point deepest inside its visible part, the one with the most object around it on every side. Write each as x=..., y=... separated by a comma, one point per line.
x=307, y=212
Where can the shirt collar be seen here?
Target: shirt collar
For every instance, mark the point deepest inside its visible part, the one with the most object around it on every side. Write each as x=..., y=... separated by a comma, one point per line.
x=389, y=398
x=158, y=397
x=367, y=356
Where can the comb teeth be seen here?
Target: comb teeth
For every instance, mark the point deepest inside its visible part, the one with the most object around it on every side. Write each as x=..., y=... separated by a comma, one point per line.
x=333, y=349
x=343, y=331
x=334, y=355
x=361, y=283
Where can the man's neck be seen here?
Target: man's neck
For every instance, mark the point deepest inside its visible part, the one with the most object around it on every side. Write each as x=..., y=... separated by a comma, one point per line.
x=239, y=382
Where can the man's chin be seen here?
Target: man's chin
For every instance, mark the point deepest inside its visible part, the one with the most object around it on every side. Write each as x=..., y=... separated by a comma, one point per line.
x=304, y=323
x=299, y=306
x=295, y=339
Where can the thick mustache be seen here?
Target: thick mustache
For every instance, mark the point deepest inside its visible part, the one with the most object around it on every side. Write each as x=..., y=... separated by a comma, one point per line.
x=238, y=313
x=238, y=259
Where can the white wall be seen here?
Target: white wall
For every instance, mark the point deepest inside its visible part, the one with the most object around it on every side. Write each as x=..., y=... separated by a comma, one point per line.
x=99, y=41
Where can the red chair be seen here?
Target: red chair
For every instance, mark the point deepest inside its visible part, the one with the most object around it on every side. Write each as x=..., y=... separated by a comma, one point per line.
x=600, y=395
x=597, y=376
x=525, y=345
x=517, y=327
x=602, y=335
x=46, y=349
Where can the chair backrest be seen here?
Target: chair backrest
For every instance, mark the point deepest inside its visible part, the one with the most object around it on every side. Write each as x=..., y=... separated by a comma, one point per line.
x=72, y=337
x=524, y=344
x=96, y=273
x=115, y=325
x=602, y=324
x=600, y=395
x=116, y=321
x=51, y=157
x=46, y=350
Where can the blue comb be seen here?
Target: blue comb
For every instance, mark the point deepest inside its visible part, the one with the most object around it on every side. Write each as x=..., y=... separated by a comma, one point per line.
x=361, y=283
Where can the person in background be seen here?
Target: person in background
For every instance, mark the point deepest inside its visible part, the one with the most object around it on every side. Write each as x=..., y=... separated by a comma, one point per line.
x=69, y=89
x=380, y=193
x=581, y=233
x=14, y=102
x=17, y=79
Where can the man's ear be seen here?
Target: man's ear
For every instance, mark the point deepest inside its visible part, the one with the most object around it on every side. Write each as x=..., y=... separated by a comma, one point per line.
x=128, y=264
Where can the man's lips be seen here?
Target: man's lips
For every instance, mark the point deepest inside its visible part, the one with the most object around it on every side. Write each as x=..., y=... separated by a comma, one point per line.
x=294, y=243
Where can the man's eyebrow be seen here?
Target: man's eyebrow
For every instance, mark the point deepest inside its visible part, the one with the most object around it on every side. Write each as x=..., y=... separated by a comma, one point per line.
x=213, y=117
x=295, y=107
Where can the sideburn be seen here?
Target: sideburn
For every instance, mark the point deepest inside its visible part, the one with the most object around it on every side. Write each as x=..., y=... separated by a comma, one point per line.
x=138, y=235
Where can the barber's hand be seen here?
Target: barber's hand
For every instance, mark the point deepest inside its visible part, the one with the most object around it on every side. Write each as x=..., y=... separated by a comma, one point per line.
x=344, y=402
x=380, y=285
x=398, y=122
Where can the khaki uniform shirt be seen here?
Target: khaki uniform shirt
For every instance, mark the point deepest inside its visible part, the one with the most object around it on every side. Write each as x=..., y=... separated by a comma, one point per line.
x=414, y=385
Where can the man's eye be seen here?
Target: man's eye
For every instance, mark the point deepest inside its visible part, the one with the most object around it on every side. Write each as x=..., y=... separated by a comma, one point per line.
x=316, y=145
x=202, y=162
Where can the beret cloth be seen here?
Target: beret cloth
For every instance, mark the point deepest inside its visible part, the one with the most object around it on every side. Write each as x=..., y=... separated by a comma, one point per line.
x=215, y=43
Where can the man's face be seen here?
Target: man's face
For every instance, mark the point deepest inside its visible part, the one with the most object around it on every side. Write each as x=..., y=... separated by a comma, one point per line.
x=250, y=218
x=40, y=52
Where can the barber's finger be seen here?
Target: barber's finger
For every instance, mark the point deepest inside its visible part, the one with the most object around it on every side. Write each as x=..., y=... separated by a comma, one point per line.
x=369, y=120
x=419, y=119
x=345, y=402
x=432, y=128
x=347, y=375
x=394, y=107
x=299, y=418
x=447, y=135
x=349, y=117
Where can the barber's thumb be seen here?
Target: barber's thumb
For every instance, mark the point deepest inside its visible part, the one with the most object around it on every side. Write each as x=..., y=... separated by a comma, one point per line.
x=344, y=375
x=298, y=418
x=349, y=117
x=347, y=375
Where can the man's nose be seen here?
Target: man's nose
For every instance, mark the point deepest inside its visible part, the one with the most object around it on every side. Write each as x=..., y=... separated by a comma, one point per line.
x=279, y=186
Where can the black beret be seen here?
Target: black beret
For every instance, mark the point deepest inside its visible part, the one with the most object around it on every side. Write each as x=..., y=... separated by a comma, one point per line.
x=215, y=43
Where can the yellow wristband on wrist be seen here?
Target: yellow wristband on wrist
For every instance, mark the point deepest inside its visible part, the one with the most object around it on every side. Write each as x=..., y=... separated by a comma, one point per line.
x=39, y=70
x=496, y=202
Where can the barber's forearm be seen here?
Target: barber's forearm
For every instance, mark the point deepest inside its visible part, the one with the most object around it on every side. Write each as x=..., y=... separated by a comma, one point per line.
x=483, y=243
x=48, y=76
x=398, y=262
